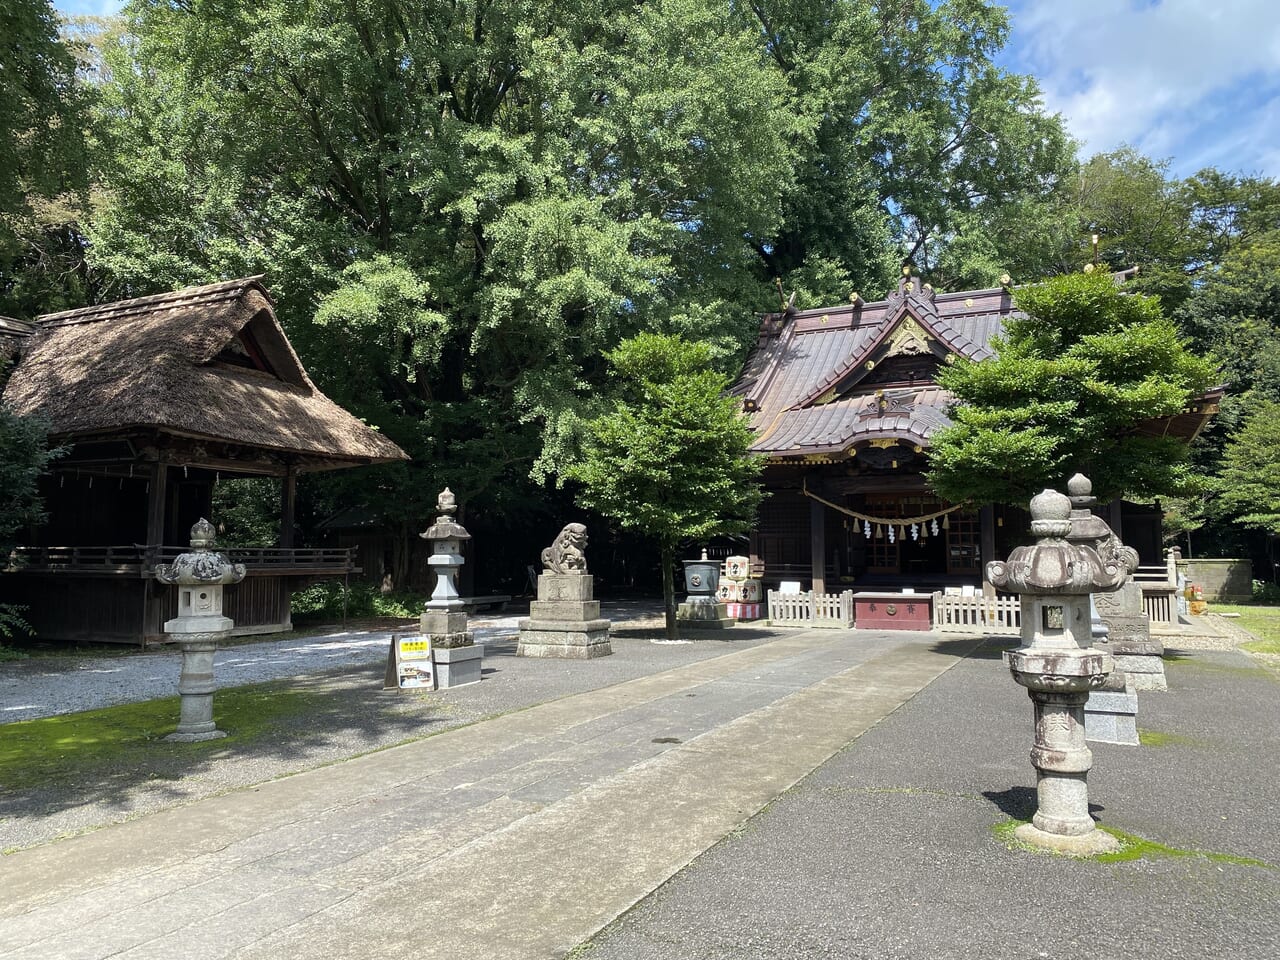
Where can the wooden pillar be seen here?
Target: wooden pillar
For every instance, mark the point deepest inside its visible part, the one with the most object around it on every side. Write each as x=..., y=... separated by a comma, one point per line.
x=157, y=503
x=288, y=503
x=987, y=538
x=1114, y=520
x=818, y=545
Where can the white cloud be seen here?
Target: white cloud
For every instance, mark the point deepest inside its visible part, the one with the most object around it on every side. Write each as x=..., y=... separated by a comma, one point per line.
x=1193, y=81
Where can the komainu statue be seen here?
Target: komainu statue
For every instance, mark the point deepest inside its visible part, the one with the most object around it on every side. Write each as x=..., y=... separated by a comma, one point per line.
x=567, y=553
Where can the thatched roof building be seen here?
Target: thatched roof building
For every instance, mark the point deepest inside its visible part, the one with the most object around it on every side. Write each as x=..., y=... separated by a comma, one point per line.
x=156, y=399
x=206, y=363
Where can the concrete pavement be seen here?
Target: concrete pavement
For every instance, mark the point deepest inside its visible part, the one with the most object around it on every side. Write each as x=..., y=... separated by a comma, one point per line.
x=517, y=837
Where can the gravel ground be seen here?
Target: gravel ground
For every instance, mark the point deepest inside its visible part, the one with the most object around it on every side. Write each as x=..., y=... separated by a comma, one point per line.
x=49, y=686
x=353, y=714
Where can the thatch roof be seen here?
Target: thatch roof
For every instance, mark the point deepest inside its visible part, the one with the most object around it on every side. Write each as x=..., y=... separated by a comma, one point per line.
x=209, y=362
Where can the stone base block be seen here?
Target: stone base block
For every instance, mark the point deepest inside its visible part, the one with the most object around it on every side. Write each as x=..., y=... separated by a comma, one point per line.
x=442, y=622
x=1083, y=845
x=708, y=616
x=451, y=641
x=457, y=666
x=566, y=586
x=1144, y=647
x=584, y=640
x=1128, y=629
x=195, y=737
x=1111, y=716
x=1147, y=672
x=569, y=611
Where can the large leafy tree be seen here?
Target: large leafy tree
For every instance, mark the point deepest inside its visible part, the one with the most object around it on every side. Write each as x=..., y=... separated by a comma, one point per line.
x=43, y=163
x=460, y=205
x=913, y=136
x=1069, y=389
x=671, y=460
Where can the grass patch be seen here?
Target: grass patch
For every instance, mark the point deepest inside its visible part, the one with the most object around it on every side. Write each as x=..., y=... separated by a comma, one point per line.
x=1155, y=738
x=1132, y=847
x=76, y=746
x=1262, y=622
x=1139, y=848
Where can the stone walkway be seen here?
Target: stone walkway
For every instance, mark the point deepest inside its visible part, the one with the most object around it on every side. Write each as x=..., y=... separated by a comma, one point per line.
x=518, y=837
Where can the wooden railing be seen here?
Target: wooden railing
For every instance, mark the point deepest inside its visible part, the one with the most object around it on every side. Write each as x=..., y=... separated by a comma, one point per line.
x=1160, y=601
x=142, y=559
x=977, y=614
x=809, y=609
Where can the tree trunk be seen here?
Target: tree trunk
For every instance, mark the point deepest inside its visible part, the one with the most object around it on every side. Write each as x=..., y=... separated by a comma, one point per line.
x=669, y=589
x=401, y=554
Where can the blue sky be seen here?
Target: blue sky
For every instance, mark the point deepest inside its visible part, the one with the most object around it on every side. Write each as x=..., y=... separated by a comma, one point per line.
x=1194, y=82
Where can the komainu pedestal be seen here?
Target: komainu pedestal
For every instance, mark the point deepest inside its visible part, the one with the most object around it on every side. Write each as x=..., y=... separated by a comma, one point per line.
x=565, y=621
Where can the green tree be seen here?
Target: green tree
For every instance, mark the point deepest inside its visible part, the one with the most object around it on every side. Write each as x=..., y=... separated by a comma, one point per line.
x=1069, y=389
x=912, y=133
x=43, y=163
x=459, y=206
x=24, y=457
x=1248, y=488
x=671, y=459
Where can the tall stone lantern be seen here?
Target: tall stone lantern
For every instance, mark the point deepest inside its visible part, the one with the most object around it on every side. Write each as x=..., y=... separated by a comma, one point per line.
x=1059, y=668
x=444, y=619
x=199, y=576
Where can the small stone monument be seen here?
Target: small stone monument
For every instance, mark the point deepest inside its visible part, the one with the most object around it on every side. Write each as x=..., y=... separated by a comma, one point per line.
x=565, y=621
x=1059, y=668
x=1111, y=713
x=444, y=618
x=701, y=608
x=199, y=576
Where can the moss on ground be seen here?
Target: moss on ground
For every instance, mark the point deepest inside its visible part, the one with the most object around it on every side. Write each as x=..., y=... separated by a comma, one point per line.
x=53, y=750
x=1157, y=738
x=1132, y=847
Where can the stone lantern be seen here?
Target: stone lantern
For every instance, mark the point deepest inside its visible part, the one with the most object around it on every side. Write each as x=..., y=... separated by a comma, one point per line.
x=199, y=576
x=701, y=607
x=444, y=619
x=1059, y=668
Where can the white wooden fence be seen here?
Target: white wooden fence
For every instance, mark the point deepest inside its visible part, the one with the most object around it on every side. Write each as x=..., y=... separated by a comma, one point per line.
x=1160, y=601
x=977, y=614
x=809, y=609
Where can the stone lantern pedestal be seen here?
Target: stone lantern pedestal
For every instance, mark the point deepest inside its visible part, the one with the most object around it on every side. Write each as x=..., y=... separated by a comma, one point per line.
x=1059, y=668
x=200, y=577
x=444, y=618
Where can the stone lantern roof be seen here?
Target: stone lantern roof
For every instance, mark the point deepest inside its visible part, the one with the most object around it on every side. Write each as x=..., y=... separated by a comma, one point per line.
x=200, y=566
x=1053, y=565
x=445, y=527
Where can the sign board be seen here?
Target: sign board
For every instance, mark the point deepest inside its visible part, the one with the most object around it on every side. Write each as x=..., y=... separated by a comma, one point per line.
x=409, y=663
